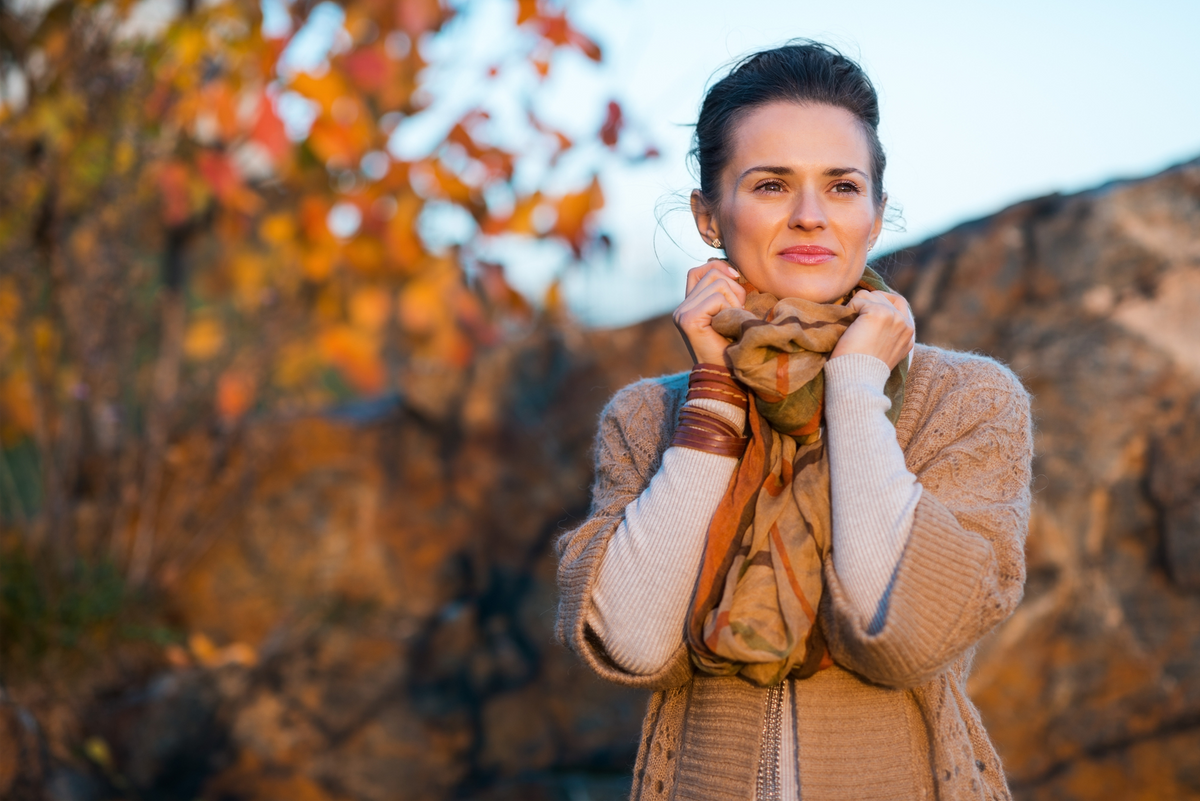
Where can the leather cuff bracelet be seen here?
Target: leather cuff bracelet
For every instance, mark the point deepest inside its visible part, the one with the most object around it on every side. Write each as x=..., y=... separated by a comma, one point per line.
x=702, y=430
x=716, y=382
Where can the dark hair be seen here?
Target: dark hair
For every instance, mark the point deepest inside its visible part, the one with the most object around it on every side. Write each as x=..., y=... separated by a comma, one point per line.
x=801, y=72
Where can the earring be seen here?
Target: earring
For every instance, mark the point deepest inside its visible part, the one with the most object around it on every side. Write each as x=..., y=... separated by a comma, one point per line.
x=716, y=243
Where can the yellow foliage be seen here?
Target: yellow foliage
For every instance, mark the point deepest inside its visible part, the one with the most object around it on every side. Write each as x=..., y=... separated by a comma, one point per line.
x=46, y=342
x=249, y=273
x=17, y=412
x=163, y=164
x=204, y=339
x=365, y=254
x=277, y=229
x=370, y=308
x=317, y=262
x=423, y=308
x=10, y=301
x=296, y=364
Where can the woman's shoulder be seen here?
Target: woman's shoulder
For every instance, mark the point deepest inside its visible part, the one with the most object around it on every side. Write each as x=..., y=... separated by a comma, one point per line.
x=936, y=371
x=956, y=389
x=637, y=422
x=650, y=398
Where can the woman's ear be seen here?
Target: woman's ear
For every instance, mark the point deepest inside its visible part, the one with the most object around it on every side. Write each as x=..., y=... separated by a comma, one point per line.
x=706, y=221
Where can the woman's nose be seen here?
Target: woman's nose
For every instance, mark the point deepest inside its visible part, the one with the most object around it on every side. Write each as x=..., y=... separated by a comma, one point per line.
x=808, y=213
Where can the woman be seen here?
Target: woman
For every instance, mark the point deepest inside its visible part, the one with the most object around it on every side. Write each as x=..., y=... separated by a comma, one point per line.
x=799, y=544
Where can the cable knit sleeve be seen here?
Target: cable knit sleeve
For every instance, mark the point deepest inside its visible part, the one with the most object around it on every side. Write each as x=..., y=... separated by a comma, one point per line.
x=967, y=438
x=635, y=429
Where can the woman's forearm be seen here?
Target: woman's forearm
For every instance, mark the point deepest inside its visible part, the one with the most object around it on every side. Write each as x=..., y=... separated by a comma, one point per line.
x=641, y=596
x=874, y=496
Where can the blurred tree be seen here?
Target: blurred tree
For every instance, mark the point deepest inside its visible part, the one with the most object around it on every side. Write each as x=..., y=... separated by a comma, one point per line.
x=192, y=229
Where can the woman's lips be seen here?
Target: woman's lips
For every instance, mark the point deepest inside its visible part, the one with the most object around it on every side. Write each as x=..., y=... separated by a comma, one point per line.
x=807, y=254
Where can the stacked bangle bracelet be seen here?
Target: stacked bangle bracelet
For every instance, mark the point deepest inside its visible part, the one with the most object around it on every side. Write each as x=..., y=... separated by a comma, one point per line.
x=702, y=430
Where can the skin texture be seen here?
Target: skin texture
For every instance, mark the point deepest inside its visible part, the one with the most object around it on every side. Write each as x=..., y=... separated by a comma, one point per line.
x=799, y=175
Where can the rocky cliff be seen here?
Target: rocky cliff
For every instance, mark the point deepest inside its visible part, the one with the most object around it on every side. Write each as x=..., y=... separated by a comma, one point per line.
x=1092, y=689
x=369, y=613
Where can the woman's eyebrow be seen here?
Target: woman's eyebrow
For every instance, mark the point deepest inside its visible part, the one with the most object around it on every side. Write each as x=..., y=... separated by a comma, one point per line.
x=767, y=169
x=832, y=172
x=838, y=172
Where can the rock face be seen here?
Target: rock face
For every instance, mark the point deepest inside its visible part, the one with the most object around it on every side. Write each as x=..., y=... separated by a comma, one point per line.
x=371, y=608
x=1092, y=689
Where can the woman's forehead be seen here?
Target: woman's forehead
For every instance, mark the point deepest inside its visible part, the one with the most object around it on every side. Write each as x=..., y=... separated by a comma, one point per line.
x=799, y=137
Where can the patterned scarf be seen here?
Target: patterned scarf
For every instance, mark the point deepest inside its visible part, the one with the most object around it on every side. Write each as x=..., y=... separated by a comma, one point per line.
x=754, y=611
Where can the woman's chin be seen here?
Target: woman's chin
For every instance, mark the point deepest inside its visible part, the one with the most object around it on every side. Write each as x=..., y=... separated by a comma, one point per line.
x=812, y=292
x=818, y=284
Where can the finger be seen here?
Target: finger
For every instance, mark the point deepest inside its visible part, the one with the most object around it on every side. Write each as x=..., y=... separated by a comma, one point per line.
x=708, y=300
x=862, y=300
x=900, y=302
x=695, y=274
x=717, y=276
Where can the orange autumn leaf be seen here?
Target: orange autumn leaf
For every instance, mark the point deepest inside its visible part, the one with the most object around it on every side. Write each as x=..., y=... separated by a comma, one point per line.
x=520, y=221
x=402, y=244
x=219, y=107
x=343, y=141
x=176, y=197
x=421, y=308
x=323, y=89
x=370, y=308
x=450, y=186
x=222, y=177
x=356, y=356
x=365, y=254
x=557, y=29
x=317, y=262
x=314, y=210
x=235, y=395
x=526, y=10
x=573, y=211
x=269, y=132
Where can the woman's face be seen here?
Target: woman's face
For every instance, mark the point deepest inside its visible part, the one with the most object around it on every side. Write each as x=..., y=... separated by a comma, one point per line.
x=796, y=213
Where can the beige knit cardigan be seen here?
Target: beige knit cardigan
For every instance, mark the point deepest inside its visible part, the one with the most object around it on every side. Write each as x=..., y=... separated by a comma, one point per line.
x=966, y=434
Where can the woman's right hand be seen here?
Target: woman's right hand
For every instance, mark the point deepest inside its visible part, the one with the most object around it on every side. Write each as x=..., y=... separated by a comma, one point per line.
x=711, y=287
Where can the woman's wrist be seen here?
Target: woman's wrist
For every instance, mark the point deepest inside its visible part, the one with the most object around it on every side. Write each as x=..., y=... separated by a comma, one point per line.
x=705, y=429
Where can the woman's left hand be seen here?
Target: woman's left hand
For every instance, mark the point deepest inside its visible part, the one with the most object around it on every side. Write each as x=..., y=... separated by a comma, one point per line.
x=884, y=328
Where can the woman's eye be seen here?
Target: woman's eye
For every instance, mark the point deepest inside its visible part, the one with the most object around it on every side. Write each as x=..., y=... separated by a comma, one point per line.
x=771, y=186
x=846, y=188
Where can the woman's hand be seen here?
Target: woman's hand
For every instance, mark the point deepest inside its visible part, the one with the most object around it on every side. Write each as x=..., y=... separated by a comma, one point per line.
x=884, y=328
x=711, y=287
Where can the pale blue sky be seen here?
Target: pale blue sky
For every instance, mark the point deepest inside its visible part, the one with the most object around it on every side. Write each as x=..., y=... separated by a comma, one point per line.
x=983, y=104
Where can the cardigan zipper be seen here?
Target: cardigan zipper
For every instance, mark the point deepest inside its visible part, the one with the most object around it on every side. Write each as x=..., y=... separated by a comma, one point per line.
x=769, y=787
